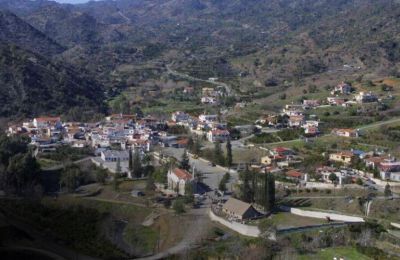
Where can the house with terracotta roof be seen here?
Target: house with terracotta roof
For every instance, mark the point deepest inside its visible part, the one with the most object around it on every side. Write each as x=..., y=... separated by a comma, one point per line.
x=375, y=161
x=345, y=157
x=294, y=174
x=178, y=179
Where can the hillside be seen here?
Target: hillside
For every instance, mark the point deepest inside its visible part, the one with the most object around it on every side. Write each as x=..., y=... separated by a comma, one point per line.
x=15, y=31
x=31, y=86
x=250, y=44
x=291, y=39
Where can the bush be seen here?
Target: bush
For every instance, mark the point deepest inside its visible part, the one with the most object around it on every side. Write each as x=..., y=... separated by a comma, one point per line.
x=314, y=189
x=328, y=191
x=308, y=190
x=178, y=206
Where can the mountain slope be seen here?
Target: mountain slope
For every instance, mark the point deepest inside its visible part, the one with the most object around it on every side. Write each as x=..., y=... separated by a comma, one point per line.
x=31, y=85
x=16, y=31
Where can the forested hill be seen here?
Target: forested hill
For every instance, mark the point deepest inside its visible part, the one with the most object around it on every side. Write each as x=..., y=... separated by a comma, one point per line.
x=14, y=30
x=30, y=85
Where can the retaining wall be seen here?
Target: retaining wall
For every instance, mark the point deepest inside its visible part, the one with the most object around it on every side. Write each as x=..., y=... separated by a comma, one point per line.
x=324, y=215
x=246, y=230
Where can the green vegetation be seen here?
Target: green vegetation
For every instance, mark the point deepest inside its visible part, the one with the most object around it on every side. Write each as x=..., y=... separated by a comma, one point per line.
x=77, y=226
x=140, y=236
x=283, y=135
x=329, y=253
x=19, y=170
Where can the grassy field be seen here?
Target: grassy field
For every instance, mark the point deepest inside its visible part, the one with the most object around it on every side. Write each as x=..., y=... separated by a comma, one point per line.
x=347, y=253
x=286, y=220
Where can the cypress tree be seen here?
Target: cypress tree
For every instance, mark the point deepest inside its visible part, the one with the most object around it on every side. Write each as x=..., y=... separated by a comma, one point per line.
x=229, y=153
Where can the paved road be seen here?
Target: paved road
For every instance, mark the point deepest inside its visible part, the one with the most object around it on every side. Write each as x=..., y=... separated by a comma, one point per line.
x=228, y=89
x=211, y=175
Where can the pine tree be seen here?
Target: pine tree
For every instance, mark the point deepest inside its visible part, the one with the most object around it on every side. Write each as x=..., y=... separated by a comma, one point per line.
x=229, y=153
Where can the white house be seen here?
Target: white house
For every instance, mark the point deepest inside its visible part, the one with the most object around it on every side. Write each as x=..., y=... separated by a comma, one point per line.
x=346, y=132
x=218, y=135
x=390, y=170
x=209, y=100
x=208, y=118
x=42, y=122
x=178, y=179
x=342, y=88
x=363, y=97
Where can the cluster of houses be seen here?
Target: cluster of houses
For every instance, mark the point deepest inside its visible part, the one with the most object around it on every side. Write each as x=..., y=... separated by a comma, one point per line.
x=204, y=124
x=344, y=164
x=116, y=131
x=211, y=96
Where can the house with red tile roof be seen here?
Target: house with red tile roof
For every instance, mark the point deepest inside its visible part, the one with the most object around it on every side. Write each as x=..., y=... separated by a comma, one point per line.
x=178, y=179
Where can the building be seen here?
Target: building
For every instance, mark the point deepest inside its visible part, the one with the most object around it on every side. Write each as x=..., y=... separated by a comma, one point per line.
x=346, y=132
x=342, y=88
x=188, y=90
x=310, y=131
x=375, y=161
x=180, y=116
x=294, y=174
x=336, y=101
x=208, y=92
x=363, y=97
x=239, y=210
x=345, y=157
x=178, y=179
x=208, y=118
x=114, y=156
x=296, y=121
x=311, y=103
x=209, y=100
x=218, y=135
x=43, y=122
x=390, y=170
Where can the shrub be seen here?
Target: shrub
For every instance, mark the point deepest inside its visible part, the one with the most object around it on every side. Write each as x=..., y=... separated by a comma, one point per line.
x=178, y=206
x=328, y=191
x=314, y=189
x=308, y=190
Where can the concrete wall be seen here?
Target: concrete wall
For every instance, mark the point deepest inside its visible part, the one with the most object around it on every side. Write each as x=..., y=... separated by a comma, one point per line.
x=383, y=183
x=395, y=225
x=246, y=230
x=324, y=215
